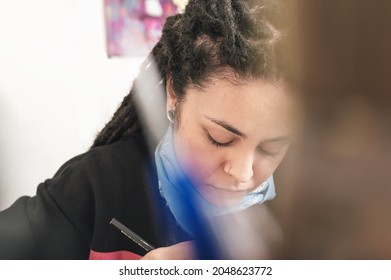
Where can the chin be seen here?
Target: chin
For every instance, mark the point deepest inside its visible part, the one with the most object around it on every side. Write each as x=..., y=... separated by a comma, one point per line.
x=223, y=201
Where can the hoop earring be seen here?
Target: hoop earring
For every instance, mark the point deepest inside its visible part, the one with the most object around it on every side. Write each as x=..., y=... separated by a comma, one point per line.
x=171, y=116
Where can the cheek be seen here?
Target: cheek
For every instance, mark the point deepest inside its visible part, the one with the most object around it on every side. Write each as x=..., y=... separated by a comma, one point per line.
x=262, y=173
x=195, y=154
x=264, y=168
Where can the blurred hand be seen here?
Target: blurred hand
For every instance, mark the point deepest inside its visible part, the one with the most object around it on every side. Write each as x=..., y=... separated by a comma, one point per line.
x=180, y=251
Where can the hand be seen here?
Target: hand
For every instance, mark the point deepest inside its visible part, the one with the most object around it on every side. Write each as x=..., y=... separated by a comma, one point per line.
x=180, y=251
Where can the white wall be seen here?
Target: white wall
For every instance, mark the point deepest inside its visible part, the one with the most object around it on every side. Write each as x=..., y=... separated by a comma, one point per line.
x=57, y=87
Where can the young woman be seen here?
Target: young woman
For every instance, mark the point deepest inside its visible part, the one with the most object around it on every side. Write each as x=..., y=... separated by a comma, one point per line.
x=229, y=115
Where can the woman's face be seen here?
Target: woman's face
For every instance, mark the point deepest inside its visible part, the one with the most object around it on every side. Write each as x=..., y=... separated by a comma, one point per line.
x=232, y=136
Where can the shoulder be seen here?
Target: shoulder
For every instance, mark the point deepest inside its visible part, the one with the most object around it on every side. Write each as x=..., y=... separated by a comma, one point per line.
x=102, y=183
x=129, y=154
x=103, y=175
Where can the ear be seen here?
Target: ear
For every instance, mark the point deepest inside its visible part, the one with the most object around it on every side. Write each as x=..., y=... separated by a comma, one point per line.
x=171, y=97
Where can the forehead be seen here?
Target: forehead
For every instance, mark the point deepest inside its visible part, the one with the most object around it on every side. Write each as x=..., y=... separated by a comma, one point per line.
x=250, y=105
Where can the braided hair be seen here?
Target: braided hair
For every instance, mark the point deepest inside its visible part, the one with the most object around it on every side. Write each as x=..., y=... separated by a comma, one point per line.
x=238, y=36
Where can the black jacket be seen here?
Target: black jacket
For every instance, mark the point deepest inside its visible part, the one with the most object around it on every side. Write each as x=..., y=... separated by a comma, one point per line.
x=69, y=215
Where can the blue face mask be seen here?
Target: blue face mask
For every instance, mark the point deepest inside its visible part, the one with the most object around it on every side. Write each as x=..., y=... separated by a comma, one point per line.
x=169, y=171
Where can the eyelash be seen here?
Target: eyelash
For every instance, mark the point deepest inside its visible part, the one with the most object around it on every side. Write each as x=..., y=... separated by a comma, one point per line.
x=218, y=144
x=222, y=145
x=262, y=151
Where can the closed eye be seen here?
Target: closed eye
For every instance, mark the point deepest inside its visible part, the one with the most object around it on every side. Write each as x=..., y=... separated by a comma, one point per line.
x=216, y=143
x=267, y=153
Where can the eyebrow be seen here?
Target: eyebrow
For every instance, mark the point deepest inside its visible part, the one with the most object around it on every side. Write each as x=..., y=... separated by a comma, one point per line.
x=278, y=139
x=239, y=133
x=226, y=126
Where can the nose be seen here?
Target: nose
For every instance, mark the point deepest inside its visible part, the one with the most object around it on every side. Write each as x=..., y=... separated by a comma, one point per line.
x=240, y=168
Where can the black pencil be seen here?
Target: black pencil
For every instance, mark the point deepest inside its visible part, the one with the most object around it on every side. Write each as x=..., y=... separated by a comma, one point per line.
x=133, y=236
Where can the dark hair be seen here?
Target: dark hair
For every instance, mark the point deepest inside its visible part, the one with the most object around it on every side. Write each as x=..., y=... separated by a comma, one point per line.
x=235, y=36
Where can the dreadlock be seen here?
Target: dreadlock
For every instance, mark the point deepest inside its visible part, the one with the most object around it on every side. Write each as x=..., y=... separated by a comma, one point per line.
x=236, y=35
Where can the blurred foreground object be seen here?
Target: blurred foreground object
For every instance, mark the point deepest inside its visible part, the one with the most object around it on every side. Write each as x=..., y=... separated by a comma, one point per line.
x=250, y=234
x=335, y=188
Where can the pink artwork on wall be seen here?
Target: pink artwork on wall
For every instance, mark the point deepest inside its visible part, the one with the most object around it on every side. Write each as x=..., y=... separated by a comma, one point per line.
x=133, y=27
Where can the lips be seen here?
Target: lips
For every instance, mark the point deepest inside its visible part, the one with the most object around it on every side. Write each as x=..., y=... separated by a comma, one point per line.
x=222, y=197
x=228, y=191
